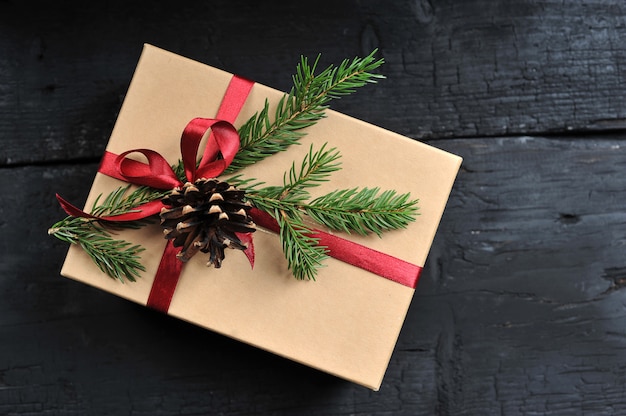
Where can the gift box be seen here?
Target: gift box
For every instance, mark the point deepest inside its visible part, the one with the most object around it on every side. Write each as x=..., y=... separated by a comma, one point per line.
x=345, y=322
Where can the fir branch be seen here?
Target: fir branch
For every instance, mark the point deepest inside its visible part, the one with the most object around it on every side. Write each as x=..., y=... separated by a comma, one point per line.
x=304, y=256
x=357, y=210
x=303, y=253
x=117, y=258
x=350, y=210
x=315, y=168
x=302, y=107
x=117, y=202
x=363, y=211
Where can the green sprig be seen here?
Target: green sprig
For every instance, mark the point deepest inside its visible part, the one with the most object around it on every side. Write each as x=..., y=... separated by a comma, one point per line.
x=315, y=168
x=303, y=253
x=363, y=211
x=117, y=258
x=302, y=107
x=118, y=202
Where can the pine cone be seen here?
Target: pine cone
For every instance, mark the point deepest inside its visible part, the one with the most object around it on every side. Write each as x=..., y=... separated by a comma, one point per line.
x=204, y=216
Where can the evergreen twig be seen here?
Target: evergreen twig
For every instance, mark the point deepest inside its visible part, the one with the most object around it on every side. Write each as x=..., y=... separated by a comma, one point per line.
x=303, y=253
x=117, y=258
x=118, y=202
x=302, y=107
x=364, y=211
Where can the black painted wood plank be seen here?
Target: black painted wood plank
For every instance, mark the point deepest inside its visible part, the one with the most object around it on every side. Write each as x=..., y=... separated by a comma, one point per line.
x=520, y=309
x=470, y=68
x=527, y=274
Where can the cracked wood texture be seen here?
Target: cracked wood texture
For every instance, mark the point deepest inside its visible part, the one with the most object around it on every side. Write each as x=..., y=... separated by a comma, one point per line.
x=521, y=307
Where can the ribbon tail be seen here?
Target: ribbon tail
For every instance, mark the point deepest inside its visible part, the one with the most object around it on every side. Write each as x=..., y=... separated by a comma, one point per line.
x=140, y=212
x=72, y=210
x=165, y=280
x=246, y=238
x=384, y=265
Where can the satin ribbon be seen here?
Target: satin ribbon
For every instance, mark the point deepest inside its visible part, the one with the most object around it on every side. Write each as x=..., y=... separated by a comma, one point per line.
x=355, y=254
x=220, y=150
x=221, y=147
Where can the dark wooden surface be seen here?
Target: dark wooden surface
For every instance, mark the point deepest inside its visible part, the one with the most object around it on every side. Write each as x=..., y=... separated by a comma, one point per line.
x=521, y=308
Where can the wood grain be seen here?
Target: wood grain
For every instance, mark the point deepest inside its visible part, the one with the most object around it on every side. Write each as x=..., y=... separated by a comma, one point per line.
x=529, y=280
x=454, y=69
x=521, y=307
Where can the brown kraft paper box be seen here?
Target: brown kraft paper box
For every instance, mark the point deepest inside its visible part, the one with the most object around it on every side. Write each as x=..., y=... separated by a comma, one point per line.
x=347, y=321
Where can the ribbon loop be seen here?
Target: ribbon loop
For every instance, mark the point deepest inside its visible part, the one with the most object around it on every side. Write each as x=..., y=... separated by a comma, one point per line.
x=220, y=150
x=156, y=174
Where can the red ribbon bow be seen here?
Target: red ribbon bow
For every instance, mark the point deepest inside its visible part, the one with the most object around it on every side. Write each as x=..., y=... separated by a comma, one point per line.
x=221, y=148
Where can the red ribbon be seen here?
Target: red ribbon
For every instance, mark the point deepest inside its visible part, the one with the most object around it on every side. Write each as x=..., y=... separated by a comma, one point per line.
x=221, y=148
x=358, y=255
